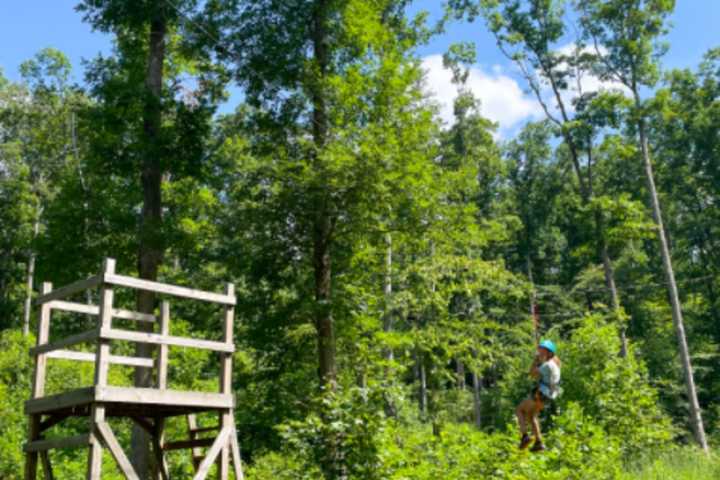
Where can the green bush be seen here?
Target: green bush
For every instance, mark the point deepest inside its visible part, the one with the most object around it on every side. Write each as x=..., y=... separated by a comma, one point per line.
x=615, y=392
x=576, y=449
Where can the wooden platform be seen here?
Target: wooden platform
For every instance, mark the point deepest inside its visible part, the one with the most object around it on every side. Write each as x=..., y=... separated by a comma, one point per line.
x=148, y=408
x=119, y=401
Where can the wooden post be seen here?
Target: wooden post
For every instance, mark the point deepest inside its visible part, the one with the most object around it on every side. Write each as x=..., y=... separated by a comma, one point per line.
x=196, y=452
x=158, y=445
x=163, y=350
x=227, y=422
x=97, y=415
x=38, y=388
x=161, y=468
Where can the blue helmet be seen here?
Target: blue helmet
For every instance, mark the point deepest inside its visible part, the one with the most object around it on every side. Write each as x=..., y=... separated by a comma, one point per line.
x=548, y=345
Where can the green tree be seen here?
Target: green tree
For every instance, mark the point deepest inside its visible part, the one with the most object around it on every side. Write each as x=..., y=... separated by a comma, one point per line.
x=147, y=129
x=628, y=31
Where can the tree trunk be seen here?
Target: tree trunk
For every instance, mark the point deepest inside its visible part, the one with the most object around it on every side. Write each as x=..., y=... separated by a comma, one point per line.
x=460, y=374
x=151, y=245
x=477, y=406
x=614, y=297
x=30, y=278
x=387, y=292
x=324, y=322
x=422, y=397
x=695, y=414
x=323, y=224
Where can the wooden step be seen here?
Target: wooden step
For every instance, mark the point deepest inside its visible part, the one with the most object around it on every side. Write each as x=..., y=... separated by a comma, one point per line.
x=82, y=440
x=205, y=429
x=182, y=444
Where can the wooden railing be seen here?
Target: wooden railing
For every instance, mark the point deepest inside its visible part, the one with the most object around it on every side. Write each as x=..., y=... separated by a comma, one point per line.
x=51, y=300
x=101, y=396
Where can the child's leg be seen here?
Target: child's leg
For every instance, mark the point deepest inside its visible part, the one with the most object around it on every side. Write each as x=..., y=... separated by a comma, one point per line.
x=536, y=427
x=524, y=414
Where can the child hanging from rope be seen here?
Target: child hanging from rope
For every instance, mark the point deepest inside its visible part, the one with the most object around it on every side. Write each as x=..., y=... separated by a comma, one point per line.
x=546, y=369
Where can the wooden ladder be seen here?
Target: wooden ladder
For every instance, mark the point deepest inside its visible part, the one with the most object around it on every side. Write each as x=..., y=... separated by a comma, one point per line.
x=193, y=432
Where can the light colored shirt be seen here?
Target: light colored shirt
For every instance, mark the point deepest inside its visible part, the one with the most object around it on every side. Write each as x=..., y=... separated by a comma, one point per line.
x=550, y=379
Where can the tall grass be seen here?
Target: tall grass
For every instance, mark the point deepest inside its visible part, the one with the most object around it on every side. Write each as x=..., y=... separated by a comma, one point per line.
x=677, y=464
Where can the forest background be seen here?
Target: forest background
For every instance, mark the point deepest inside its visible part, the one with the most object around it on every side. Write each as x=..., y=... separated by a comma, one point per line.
x=405, y=200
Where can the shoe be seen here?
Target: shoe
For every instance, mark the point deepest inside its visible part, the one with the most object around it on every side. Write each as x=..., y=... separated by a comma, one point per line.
x=524, y=442
x=537, y=447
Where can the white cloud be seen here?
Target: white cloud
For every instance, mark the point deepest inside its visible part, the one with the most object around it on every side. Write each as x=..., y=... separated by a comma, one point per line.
x=502, y=99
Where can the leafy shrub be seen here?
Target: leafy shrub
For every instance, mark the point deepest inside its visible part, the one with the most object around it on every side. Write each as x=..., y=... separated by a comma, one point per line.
x=615, y=392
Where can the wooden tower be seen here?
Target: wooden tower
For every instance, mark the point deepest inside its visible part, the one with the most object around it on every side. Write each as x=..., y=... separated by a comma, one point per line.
x=147, y=407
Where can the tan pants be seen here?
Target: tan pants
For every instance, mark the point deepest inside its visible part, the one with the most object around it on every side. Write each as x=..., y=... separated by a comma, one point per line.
x=527, y=412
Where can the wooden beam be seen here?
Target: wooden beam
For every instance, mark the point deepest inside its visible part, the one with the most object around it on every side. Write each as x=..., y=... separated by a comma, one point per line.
x=163, y=349
x=79, y=396
x=157, y=339
x=158, y=442
x=82, y=440
x=114, y=359
x=31, y=458
x=83, y=337
x=220, y=442
x=184, y=444
x=116, y=450
x=95, y=310
x=174, y=290
x=205, y=429
x=47, y=467
x=237, y=462
x=196, y=453
x=43, y=334
x=177, y=398
x=225, y=382
x=69, y=290
x=97, y=412
x=38, y=385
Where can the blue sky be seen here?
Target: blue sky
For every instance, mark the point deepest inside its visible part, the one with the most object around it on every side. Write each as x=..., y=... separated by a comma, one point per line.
x=26, y=26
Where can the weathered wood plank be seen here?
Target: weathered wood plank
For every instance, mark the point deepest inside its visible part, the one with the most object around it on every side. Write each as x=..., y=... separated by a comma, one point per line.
x=97, y=414
x=38, y=385
x=158, y=442
x=163, y=349
x=157, y=339
x=196, y=453
x=116, y=450
x=110, y=394
x=82, y=440
x=184, y=444
x=174, y=290
x=47, y=467
x=43, y=334
x=237, y=462
x=90, y=357
x=220, y=441
x=205, y=429
x=107, y=296
x=68, y=290
x=61, y=400
x=226, y=418
x=95, y=310
x=31, y=458
x=83, y=337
